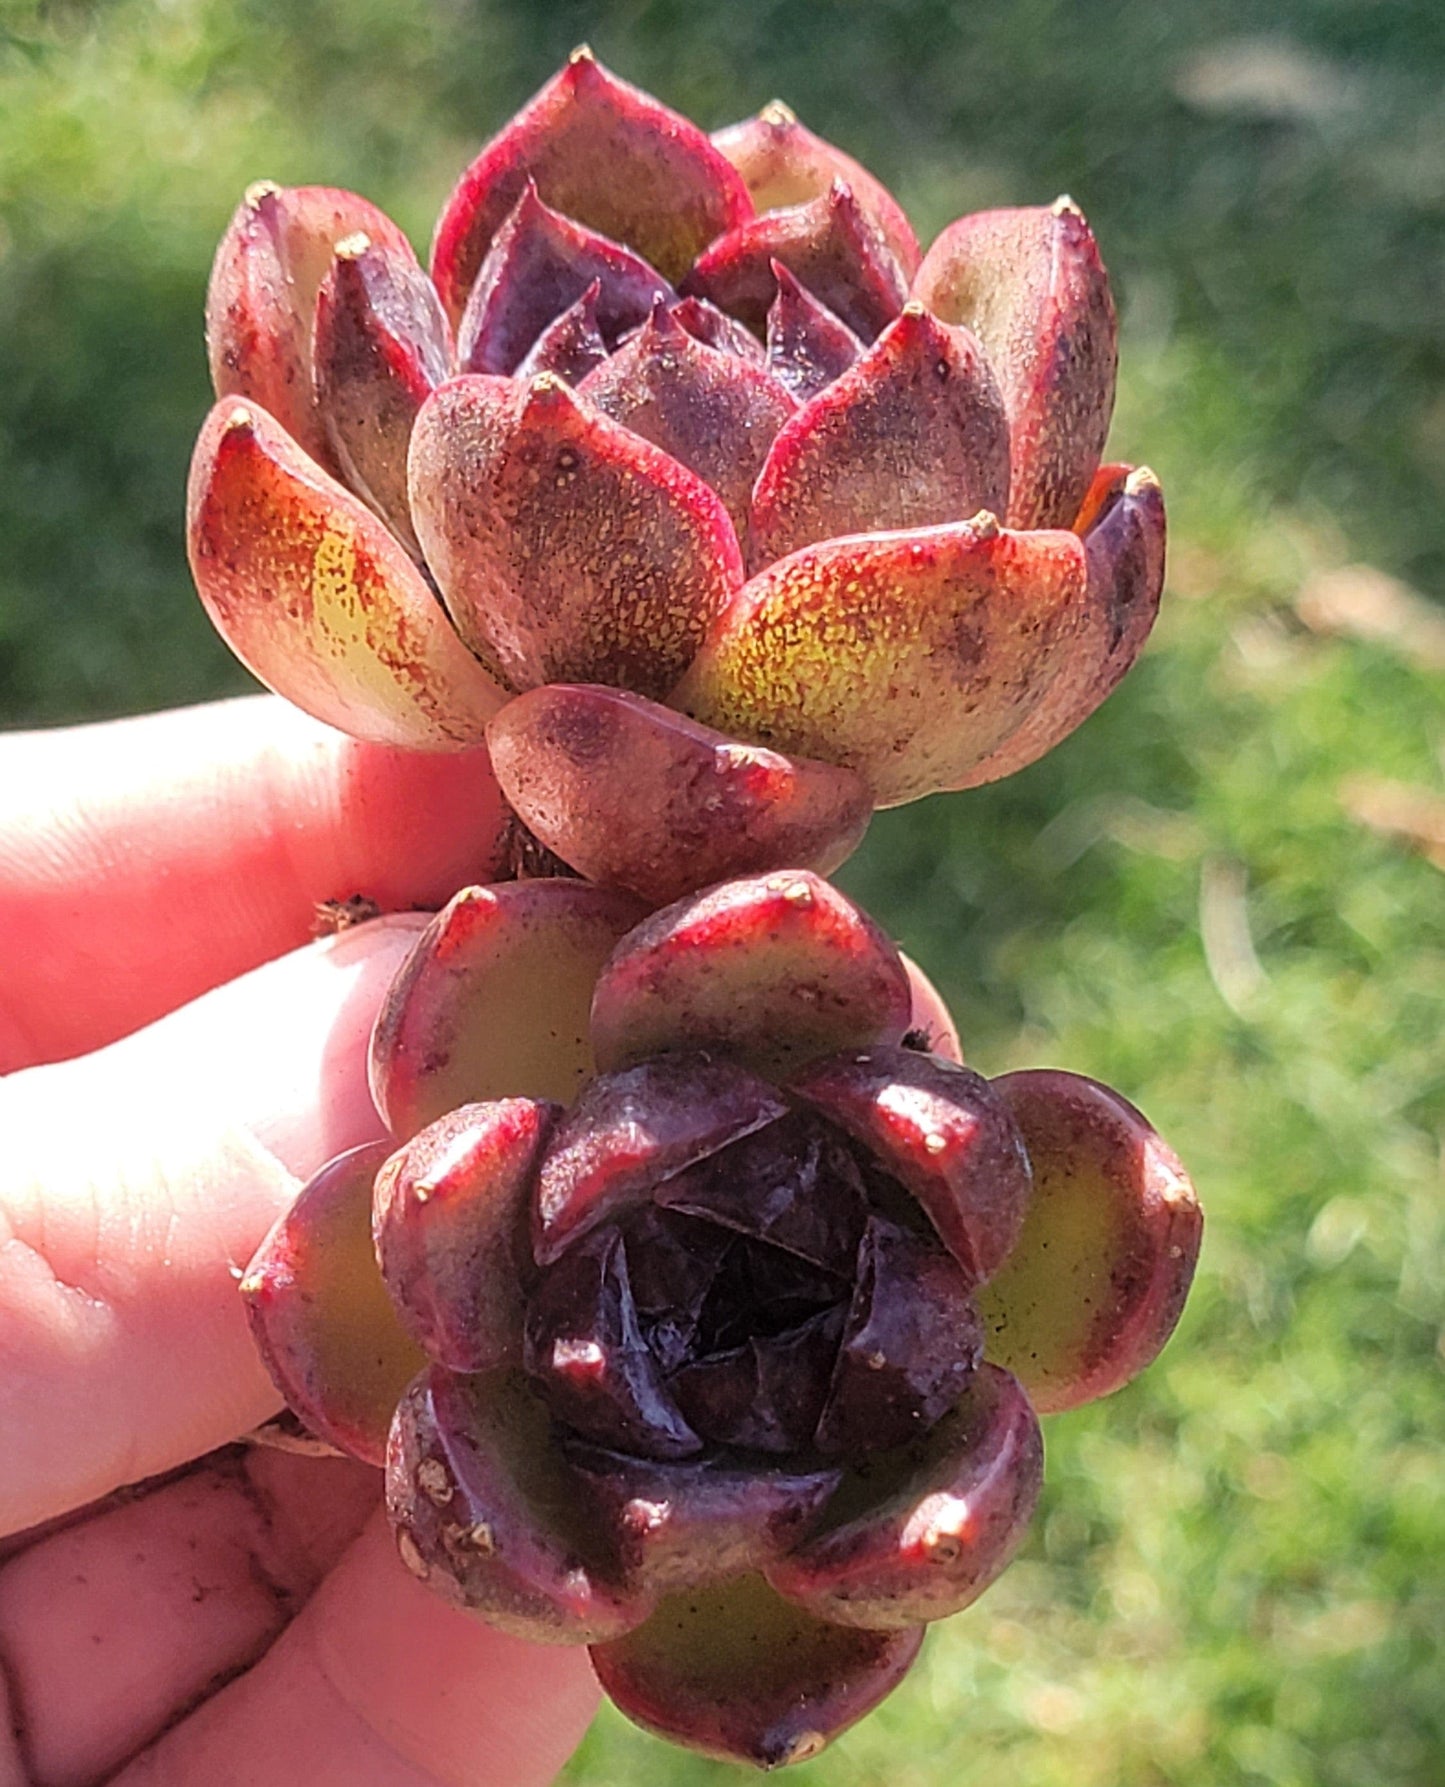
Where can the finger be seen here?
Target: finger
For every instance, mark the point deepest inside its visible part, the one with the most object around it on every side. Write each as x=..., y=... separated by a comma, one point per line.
x=378, y=1681
x=111, y=1629
x=134, y=1186
x=145, y=861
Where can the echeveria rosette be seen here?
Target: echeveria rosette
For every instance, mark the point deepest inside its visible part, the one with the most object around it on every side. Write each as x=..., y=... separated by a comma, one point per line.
x=684, y=477
x=702, y=1303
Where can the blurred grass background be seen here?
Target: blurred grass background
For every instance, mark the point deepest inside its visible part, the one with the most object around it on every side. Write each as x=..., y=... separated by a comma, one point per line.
x=1220, y=895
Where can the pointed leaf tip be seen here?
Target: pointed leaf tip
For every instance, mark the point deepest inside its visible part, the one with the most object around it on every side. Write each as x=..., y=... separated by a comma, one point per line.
x=831, y=245
x=913, y=435
x=785, y=164
x=568, y=548
x=608, y=156
x=1030, y=284
x=261, y=299
x=318, y=598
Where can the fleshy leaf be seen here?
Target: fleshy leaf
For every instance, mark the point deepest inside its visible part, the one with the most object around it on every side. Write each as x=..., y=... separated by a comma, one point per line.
x=914, y=434
x=943, y=1133
x=631, y=794
x=794, y=1185
x=905, y=656
x=493, y=1000
x=920, y=1533
x=909, y=1347
x=539, y=265
x=572, y=345
x=587, y=1354
x=1031, y=286
x=450, y=1225
x=735, y=1671
x=605, y=154
x=321, y=1316
x=261, y=301
x=766, y=1394
x=831, y=244
x=715, y=413
x=1124, y=544
x=626, y=1131
x=1099, y=1276
x=486, y=1513
x=318, y=599
x=568, y=549
x=681, y=1525
x=784, y=164
x=808, y=347
x=382, y=346
x=770, y=970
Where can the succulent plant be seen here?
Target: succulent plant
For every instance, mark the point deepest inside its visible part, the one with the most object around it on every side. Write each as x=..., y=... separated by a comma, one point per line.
x=685, y=478
x=702, y=1302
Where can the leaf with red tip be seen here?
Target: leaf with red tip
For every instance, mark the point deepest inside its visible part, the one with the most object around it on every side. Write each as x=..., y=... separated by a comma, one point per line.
x=382, y=346
x=941, y=1132
x=715, y=328
x=830, y=243
x=909, y=1347
x=320, y=600
x=919, y=1534
x=784, y=164
x=320, y=1313
x=713, y=412
x=737, y=1672
x=261, y=301
x=771, y=970
x=607, y=155
x=492, y=1002
x=486, y=1513
x=1031, y=286
x=1123, y=528
x=450, y=1225
x=905, y=656
x=682, y=1524
x=1099, y=1276
x=627, y=1131
x=540, y=264
x=568, y=549
x=914, y=434
x=631, y=794
x=808, y=347
x=572, y=345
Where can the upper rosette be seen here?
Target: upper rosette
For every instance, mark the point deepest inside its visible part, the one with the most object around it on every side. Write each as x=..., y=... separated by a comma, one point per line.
x=683, y=475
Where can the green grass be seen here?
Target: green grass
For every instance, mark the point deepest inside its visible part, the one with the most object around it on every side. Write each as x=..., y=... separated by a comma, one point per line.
x=1236, y=1573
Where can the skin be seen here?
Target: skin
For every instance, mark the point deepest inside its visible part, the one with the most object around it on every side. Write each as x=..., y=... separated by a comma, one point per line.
x=174, y=1607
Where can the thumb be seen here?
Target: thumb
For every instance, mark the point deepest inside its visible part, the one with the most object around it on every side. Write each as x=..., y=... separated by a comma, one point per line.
x=135, y=1186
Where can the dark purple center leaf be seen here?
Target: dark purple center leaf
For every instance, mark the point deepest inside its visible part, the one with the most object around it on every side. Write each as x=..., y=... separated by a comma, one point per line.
x=585, y=1348
x=913, y=1340
x=766, y=1395
x=795, y=1185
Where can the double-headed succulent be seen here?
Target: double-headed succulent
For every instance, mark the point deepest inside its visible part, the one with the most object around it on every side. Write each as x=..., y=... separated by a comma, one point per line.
x=701, y=1304
x=698, y=1307
x=744, y=516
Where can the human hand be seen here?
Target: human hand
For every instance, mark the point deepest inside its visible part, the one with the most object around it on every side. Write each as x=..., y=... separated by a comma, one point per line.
x=244, y=1619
